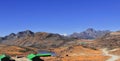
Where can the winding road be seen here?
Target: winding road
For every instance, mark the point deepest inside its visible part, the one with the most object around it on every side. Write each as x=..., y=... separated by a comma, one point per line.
x=113, y=57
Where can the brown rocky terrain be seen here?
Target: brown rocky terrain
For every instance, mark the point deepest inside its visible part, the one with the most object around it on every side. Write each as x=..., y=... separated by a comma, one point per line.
x=115, y=51
x=110, y=40
x=16, y=51
x=77, y=53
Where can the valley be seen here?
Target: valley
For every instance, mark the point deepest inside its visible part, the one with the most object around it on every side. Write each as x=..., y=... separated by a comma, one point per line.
x=63, y=48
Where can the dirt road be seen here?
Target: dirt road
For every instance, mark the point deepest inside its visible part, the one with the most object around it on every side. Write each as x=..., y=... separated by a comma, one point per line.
x=113, y=57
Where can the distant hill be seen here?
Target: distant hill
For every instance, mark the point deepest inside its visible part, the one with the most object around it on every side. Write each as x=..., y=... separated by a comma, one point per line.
x=110, y=40
x=90, y=33
x=38, y=39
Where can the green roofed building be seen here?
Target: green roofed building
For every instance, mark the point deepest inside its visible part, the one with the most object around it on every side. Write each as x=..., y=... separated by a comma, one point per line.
x=4, y=58
x=33, y=57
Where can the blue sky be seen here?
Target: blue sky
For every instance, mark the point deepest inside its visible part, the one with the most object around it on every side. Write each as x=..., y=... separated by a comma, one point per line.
x=58, y=16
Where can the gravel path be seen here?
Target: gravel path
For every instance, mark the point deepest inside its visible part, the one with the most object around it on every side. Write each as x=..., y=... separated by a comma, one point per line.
x=113, y=57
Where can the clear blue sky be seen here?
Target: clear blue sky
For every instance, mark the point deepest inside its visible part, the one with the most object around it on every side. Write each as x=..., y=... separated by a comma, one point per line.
x=58, y=16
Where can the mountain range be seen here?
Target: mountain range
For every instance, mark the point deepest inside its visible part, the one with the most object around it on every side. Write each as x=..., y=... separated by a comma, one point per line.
x=90, y=33
x=47, y=40
x=38, y=39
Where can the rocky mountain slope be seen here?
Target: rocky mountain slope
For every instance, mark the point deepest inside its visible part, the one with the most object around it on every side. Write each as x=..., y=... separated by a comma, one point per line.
x=38, y=39
x=110, y=40
x=90, y=34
